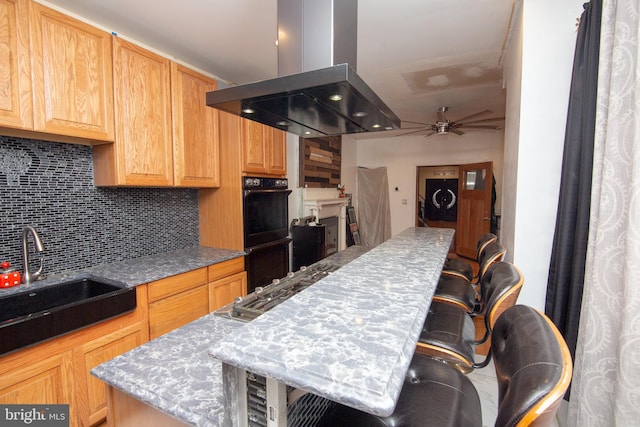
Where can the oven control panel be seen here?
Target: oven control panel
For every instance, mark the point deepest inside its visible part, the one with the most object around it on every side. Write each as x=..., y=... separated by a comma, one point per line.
x=251, y=182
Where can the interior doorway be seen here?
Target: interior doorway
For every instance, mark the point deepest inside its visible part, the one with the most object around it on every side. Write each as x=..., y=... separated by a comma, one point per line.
x=461, y=197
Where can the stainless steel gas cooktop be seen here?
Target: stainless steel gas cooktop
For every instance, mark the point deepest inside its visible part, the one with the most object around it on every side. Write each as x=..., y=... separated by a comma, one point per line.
x=265, y=298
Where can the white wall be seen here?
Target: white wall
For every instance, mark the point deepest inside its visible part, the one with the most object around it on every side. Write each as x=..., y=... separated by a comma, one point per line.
x=403, y=155
x=538, y=77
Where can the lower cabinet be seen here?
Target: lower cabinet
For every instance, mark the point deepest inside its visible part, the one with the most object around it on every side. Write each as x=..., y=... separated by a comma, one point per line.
x=176, y=301
x=172, y=312
x=58, y=371
x=46, y=381
x=224, y=291
x=92, y=397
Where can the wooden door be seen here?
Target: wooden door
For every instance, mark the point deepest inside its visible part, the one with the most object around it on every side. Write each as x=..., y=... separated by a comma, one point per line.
x=143, y=115
x=195, y=130
x=475, y=184
x=15, y=67
x=72, y=76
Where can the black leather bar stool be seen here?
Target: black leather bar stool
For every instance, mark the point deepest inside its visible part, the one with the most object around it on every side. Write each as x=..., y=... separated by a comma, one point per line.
x=458, y=291
x=533, y=367
x=433, y=395
x=461, y=268
x=448, y=333
x=533, y=371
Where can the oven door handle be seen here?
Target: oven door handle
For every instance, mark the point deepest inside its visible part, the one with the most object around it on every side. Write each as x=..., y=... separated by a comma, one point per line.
x=248, y=192
x=267, y=245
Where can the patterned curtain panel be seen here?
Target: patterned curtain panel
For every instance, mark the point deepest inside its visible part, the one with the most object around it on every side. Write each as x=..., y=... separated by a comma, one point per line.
x=606, y=381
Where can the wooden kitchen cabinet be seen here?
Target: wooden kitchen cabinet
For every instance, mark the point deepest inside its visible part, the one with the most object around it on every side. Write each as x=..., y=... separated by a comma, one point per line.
x=57, y=370
x=92, y=397
x=224, y=291
x=227, y=280
x=142, y=154
x=177, y=300
x=72, y=76
x=15, y=66
x=48, y=380
x=195, y=130
x=264, y=150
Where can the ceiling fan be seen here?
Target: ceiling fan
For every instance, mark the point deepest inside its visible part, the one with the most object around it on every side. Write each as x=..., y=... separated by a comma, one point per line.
x=444, y=126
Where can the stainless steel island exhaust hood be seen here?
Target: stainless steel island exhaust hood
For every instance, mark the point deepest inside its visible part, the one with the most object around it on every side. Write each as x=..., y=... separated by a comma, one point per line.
x=312, y=97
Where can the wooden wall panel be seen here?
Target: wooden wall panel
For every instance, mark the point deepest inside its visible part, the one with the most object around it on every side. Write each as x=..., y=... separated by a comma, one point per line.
x=320, y=162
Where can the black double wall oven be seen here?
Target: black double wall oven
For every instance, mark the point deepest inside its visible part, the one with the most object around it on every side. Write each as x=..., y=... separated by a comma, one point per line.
x=266, y=227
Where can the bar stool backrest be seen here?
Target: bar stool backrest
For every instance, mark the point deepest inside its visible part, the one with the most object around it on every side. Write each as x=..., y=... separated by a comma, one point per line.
x=533, y=366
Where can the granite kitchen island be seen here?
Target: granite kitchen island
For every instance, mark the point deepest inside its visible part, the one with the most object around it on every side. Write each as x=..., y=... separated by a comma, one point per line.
x=348, y=338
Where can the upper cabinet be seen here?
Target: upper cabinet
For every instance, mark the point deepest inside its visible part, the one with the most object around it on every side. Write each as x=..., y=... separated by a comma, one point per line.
x=165, y=133
x=55, y=75
x=263, y=149
x=195, y=129
x=64, y=80
x=142, y=154
x=15, y=66
x=72, y=76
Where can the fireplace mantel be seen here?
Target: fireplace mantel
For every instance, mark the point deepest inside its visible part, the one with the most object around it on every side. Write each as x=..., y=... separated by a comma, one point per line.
x=323, y=203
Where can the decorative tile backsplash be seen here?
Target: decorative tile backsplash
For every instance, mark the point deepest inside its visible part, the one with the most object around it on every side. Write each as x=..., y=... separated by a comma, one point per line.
x=50, y=186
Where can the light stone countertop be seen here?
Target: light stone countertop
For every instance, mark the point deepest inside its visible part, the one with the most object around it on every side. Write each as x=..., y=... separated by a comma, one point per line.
x=351, y=336
x=137, y=271
x=175, y=373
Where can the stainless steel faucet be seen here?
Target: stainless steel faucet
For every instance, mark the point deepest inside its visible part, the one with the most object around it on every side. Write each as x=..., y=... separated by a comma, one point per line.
x=28, y=277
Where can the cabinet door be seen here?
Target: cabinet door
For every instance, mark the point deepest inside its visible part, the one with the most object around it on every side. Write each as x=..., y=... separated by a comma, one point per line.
x=254, y=147
x=72, y=76
x=93, y=405
x=195, y=130
x=143, y=146
x=172, y=312
x=224, y=291
x=278, y=153
x=15, y=66
x=48, y=381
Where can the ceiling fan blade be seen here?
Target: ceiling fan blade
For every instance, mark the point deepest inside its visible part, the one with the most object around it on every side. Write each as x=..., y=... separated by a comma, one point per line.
x=465, y=126
x=494, y=119
x=481, y=113
x=415, y=123
x=415, y=131
x=456, y=131
x=430, y=134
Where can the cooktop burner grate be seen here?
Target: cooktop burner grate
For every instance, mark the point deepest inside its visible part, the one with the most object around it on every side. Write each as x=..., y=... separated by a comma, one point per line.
x=265, y=298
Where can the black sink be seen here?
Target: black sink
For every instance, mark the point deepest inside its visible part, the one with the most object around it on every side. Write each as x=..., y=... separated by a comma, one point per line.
x=32, y=316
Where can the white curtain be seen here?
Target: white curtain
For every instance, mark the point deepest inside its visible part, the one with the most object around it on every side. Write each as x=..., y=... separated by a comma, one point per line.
x=606, y=381
x=374, y=211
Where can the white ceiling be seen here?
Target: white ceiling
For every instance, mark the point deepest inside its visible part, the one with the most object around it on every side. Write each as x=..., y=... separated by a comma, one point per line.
x=417, y=55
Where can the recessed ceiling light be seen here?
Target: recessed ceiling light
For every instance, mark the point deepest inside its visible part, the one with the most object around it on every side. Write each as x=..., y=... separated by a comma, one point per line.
x=306, y=132
x=282, y=123
x=376, y=126
x=336, y=97
x=359, y=114
x=248, y=110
